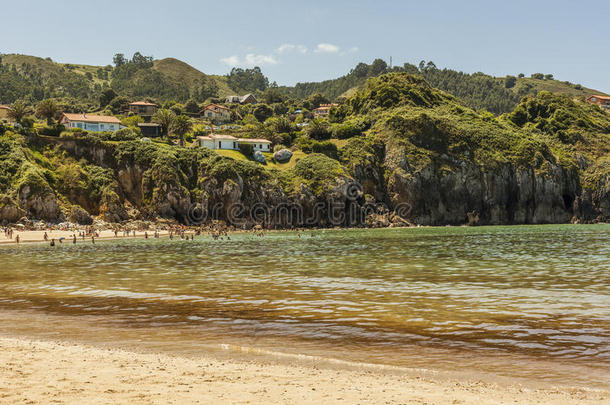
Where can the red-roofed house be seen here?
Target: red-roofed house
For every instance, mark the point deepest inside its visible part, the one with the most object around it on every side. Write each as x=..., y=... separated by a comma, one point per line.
x=602, y=101
x=4, y=109
x=88, y=122
x=323, y=110
x=143, y=108
x=216, y=113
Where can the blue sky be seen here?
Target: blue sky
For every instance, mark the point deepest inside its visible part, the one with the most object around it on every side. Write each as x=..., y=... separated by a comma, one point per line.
x=316, y=40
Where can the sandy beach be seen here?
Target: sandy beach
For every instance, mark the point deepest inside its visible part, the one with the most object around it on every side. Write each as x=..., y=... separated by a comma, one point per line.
x=29, y=236
x=43, y=372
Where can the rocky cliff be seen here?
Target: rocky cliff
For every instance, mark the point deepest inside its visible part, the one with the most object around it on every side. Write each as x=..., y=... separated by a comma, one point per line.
x=424, y=158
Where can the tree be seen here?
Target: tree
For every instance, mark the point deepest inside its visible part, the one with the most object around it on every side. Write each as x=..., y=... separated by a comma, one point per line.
x=181, y=126
x=510, y=82
x=539, y=76
x=378, y=67
x=106, y=97
x=119, y=59
x=262, y=112
x=272, y=96
x=119, y=104
x=248, y=79
x=191, y=106
x=165, y=118
x=18, y=111
x=521, y=75
x=548, y=77
x=318, y=130
x=49, y=109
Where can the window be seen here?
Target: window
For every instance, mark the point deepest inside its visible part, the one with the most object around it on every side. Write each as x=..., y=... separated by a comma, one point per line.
x=219, y=145
x=260, y=146
x=234, y=146
x=101, y=127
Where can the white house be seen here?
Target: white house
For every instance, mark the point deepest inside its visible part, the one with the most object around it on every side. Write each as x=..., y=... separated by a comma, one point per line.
x=228, y=142
x=92, y=123
x=259, y=144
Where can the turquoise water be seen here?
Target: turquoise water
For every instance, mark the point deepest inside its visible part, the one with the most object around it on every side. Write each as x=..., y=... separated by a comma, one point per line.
x=537, y=291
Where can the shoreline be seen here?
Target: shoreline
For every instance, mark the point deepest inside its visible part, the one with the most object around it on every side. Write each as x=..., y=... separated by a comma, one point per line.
x=43, y=371
x=36, y=236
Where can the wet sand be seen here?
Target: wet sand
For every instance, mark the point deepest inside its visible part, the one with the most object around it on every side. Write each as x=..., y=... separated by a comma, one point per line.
x=42, y=372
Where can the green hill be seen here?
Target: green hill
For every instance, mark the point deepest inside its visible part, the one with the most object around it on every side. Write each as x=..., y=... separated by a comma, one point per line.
x=182, y=71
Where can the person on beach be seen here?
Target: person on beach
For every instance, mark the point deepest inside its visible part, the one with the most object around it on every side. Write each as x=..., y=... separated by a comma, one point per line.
x=74, y=239
x=53, y=242
x=46, y=237
x=145, y=235
x=17, y=239
x=92, y=239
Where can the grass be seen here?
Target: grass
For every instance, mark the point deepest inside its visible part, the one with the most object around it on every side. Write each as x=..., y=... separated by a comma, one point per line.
x=340, y=143
x=237, y=155
x=184, y=72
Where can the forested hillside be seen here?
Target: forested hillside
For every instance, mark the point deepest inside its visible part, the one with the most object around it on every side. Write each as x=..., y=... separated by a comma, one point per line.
x=32, y=79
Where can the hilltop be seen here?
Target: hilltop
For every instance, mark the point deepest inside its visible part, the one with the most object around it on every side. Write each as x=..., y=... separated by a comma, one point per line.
x=168, y=79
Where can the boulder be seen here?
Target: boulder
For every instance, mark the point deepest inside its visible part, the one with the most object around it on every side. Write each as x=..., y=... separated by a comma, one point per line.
x=259, y=157
x=80, y=216
x=10, y=212
x=282, y=155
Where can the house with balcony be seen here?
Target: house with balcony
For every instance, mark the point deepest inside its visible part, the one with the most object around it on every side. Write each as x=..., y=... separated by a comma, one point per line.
x=323, y=110
x=602, y=101
x=143, y=108
x=89, y=122
x=216, y=113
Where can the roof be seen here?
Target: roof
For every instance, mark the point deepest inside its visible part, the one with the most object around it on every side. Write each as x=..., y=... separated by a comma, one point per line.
x=600, y=97
x=254, y=140
x=5, y=107
x=326, y=106
x=143, y=103
x=148, y=124
x=207, y=107
x=245, y=97
x=215, y=136
x=205, y=138
x=107, y=119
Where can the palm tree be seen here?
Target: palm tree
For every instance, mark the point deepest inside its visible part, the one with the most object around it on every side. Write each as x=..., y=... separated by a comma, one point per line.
x=18, y=111
x=182, y=125
x=165, y=118
x=49, y=109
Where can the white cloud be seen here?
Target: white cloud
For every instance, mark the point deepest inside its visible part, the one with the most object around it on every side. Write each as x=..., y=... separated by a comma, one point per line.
x=327, y=48
x=230, y=60
x=251, y=59
x=292, y=47
x=260, y=60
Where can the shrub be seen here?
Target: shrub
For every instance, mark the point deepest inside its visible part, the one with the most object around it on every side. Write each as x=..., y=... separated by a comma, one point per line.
x=318, y=129
x=52, y=130
x=246, y=148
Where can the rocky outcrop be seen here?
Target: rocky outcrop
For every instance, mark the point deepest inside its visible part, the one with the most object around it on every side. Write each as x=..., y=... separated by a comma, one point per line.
x=79, y=216
x=10, y=212
x=259, y=157
x=440, y=194
x=282, y=155
x=40, y=205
